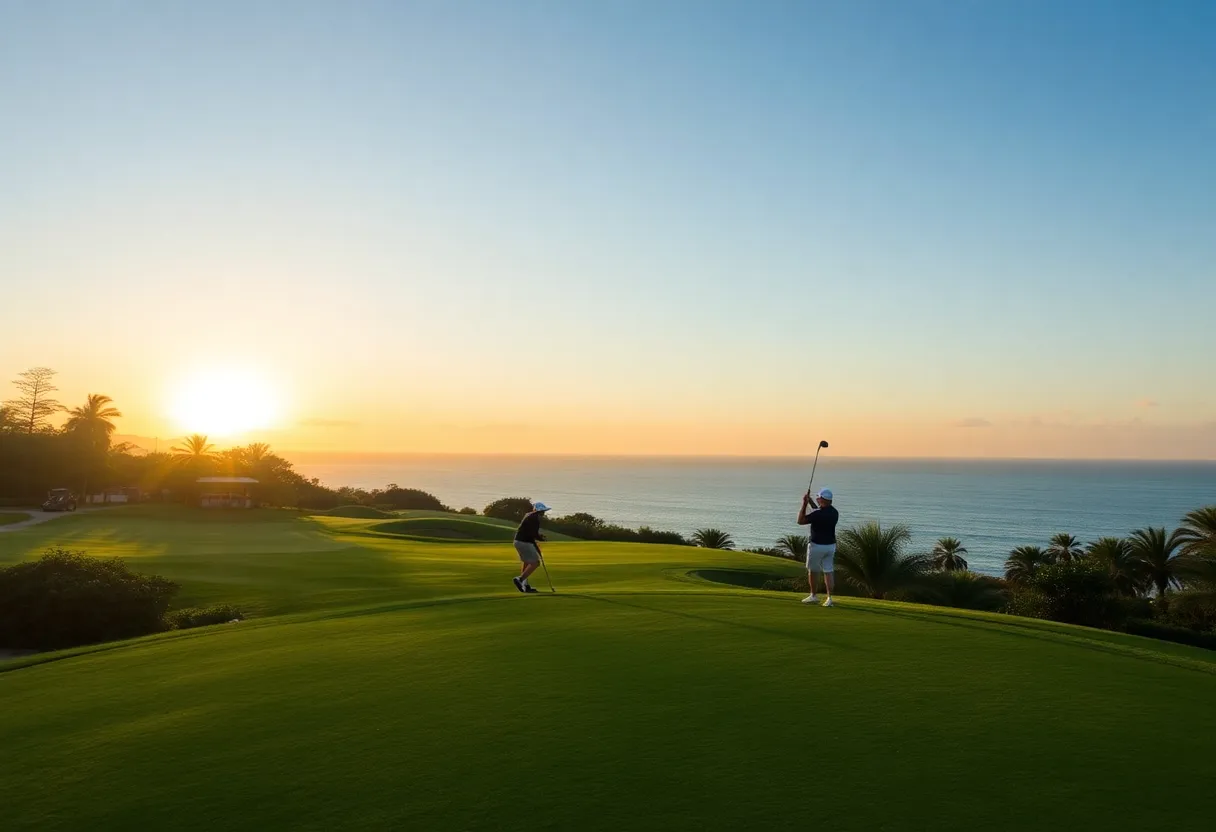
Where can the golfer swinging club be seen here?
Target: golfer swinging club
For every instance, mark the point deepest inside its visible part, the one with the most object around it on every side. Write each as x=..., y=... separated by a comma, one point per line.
x=527, y=539
x=821, y=549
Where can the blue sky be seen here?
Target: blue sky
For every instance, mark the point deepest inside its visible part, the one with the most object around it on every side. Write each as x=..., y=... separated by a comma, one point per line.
x=712, y=224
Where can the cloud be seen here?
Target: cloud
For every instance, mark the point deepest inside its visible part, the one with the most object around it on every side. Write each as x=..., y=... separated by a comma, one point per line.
x=327, y=423
x=973, y=422
x=1146, y=403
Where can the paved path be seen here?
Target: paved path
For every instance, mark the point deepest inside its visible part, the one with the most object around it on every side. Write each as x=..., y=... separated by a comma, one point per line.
x=38, y=516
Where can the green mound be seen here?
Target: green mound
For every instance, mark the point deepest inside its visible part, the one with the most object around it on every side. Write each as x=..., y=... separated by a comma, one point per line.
x=359, y=512
x=415, y=688
x=447, y=528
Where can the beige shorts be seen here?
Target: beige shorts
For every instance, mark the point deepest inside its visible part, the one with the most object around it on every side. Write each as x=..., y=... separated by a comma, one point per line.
x=528, y=552
x=821, y=557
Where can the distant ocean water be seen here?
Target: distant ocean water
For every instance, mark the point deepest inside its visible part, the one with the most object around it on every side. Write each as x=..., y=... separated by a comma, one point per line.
x=992, y=505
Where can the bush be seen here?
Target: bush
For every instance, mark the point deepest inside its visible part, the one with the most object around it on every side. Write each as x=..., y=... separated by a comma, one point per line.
x=1074, y=592
x=1195, y=610
x=797, y=583
x=509, y=508
x=467, y=510
x=203, y=616
x=1170, y=632
x=649, y=535
x=589, y=527
x=961, y=589
x=65, y=599
x=399, y=498
x=767, y=551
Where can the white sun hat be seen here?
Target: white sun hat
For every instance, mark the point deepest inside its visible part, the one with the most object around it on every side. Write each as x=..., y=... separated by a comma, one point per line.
x=540, y=507
x=825, y=493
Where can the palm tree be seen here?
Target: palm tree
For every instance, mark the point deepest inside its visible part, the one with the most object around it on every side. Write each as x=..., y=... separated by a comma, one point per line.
x=1064, y=547
x=792, y=546
x=948, y=555
x=255, y=453
x=1198, y=533
x=1116, y=555
x=1023, y=562
x=873, y=559
x=712, y=539
x=93, y=420
x=1156, y=553
x=194, y=448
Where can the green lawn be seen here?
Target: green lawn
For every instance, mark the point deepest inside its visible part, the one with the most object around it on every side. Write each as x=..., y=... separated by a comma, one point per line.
x=9, y=517
x=411, y=687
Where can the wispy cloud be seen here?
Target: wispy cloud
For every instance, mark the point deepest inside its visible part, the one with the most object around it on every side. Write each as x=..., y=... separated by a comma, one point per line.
x=327, y=423
x=973, y=422
x=1147, y=403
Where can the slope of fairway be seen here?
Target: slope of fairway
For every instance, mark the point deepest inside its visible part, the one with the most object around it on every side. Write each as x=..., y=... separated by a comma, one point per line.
x=637, y=697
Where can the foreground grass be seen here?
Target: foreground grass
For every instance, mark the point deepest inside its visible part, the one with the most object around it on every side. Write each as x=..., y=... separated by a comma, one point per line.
x=420, y=690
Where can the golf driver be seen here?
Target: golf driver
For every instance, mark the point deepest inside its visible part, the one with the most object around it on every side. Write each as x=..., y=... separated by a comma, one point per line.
x=823, y=443
x=546, y=568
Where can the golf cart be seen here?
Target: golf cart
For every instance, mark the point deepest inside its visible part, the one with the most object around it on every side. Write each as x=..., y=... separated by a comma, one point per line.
x=60, y=499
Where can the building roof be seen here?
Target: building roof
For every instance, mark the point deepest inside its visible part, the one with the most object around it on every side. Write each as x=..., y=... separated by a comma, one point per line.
x=228, y=480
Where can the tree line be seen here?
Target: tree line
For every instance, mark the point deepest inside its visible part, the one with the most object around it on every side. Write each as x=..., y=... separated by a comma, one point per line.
x=80, y=454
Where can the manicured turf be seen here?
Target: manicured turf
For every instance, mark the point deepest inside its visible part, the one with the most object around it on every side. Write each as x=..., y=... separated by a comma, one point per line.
x=362, y=512
x=9, y=517
x=421, y=691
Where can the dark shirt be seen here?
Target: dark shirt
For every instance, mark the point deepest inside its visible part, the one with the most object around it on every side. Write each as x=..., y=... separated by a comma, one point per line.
x=529, y=529
x=823, y=525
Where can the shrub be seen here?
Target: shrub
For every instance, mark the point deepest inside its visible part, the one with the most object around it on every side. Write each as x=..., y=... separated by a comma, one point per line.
x=961, y=589
x=65, y=599
x=768, y=551
x=649, y=535
x=1170, y=632
x=589, y=527
x=467, y=510
x=1079, y=591
x=203, y=616
x=797, y=583
x=1195, y=610
x=399, y=498
x=509, y=508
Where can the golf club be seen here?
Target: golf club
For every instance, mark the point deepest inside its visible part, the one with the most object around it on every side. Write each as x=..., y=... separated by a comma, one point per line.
x=823, y=443
x=546, y=568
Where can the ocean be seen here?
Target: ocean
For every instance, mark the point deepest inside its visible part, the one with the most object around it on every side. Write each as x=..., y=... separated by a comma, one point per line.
x=991, y=505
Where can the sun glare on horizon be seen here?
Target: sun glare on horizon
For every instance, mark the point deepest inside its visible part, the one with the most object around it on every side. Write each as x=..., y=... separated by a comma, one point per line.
x=224, y=403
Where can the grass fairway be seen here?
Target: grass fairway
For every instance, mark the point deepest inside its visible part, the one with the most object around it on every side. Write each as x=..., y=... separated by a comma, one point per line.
x=420, y=691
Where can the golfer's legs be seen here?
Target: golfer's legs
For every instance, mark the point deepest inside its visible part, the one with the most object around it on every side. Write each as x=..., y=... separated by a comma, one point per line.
x=527, y=569
x=810, y=579
x=827, y=582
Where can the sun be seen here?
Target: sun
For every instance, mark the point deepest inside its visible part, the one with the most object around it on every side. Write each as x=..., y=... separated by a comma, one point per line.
x=225, y=402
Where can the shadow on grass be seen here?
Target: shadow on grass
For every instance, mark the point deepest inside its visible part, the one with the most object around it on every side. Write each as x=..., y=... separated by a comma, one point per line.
x=806, y=636
x=1012, y=628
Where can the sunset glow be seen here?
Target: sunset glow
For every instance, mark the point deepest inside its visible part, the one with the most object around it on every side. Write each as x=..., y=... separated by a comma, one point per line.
x=224, y=403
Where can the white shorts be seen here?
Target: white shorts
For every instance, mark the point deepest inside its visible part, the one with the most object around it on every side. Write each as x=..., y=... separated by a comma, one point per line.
x=528, y=553
x=821, y=557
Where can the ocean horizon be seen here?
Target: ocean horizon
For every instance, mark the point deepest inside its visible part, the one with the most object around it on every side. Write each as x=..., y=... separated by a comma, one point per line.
x=992, y=505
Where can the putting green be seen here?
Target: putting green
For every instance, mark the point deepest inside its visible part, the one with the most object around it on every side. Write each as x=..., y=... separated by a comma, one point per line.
x=426, y=693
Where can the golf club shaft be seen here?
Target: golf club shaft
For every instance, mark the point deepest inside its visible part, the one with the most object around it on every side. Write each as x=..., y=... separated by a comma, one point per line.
x=546, y=568
x=813, y=467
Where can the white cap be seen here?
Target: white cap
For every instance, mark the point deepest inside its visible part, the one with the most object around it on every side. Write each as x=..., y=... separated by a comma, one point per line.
x=540, y=507
x=825, y=493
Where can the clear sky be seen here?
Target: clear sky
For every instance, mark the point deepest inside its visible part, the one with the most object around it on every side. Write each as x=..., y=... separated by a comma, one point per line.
x=968, y=227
